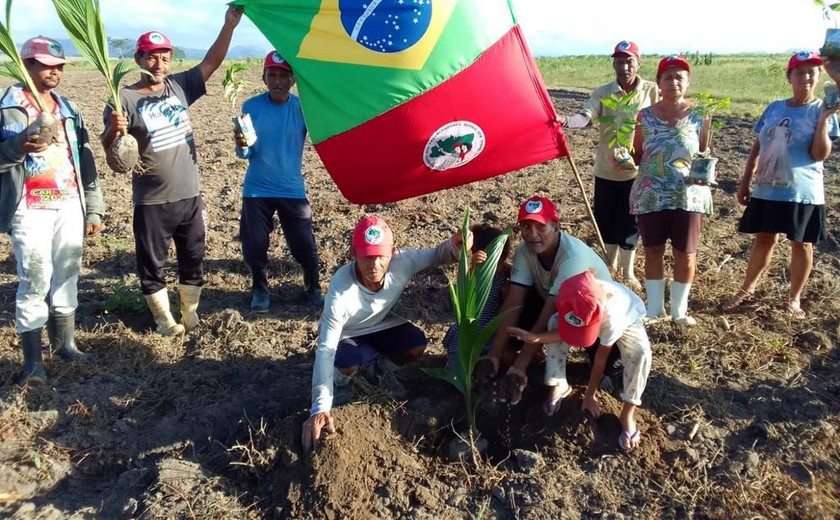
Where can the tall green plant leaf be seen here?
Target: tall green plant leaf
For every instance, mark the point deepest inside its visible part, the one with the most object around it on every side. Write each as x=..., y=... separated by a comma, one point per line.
x=15, y=68
x=469, y=295
x=83, y=21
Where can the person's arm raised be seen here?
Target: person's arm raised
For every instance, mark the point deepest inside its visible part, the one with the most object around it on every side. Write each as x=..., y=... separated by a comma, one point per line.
x=217, y=52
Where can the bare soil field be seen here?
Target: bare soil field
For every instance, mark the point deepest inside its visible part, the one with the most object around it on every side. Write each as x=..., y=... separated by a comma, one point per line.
x=740, y=416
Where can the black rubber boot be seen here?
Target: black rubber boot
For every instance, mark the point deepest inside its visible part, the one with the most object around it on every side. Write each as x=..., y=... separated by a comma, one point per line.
x=61, y=328
x=33, y=361
x=312, y=286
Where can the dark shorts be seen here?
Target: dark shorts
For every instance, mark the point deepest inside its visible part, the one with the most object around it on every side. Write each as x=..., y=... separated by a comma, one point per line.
x=679, y=226
x=365, y=349
x=799, y=222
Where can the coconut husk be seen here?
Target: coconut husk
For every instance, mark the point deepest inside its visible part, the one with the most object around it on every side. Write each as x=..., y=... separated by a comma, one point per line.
x=123, y=154
x=46, y=128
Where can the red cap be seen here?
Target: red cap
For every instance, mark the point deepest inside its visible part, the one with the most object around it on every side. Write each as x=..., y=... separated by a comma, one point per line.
x=538, y=209
x=45, y=50
x=673, y=60
x=626, y=47
x=153, y=41
x=580, y=306
x=373, y=237
x=801, y=58
x=273, y=59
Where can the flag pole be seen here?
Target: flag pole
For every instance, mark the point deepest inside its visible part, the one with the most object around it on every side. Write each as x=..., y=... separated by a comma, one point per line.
x=588, y=207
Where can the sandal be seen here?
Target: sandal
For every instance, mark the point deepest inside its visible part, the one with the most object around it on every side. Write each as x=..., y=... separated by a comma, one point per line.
x=795, y=311
x=627, y=442
x=735, y=301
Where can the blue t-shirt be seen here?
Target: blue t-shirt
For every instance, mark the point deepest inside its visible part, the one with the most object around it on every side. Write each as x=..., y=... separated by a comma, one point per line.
x=786, y=171
x=275, y=160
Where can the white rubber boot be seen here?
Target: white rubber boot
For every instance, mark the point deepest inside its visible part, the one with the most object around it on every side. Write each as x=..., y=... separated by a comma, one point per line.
x=626, y=264
x=612, y=256
x=190, y=295
x=159, y=305
x=679, y=304
x=655, y=290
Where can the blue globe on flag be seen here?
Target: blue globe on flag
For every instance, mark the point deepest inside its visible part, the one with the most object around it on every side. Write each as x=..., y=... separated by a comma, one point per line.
x=386, y=25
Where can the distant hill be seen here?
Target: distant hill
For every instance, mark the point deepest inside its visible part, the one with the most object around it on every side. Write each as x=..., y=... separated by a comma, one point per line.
x=235, y=52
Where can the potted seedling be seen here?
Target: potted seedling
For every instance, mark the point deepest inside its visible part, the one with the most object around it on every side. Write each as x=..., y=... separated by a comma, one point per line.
x=620, y=127
x=233, y=85
x=469, y=294
x=703, y=163
x=45, y=127
x=83, y=21
x=831, y=46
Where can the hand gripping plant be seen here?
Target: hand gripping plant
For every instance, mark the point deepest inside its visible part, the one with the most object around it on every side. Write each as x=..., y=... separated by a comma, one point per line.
x=83, y=22
x=469, y=295
x=620, y=126
x=46, y=127
x=703, y=164
x=233, y=85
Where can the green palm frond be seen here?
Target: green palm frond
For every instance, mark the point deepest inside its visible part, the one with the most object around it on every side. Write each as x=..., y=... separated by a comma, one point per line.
x=15, y=68
x=83, y=21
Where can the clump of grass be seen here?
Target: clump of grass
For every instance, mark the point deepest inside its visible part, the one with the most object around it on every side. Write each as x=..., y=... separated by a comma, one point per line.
x=125, y=298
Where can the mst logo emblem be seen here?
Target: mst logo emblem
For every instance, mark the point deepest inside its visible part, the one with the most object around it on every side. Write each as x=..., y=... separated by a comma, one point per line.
x=573, y=320
x=453, y=145
x=374, y=235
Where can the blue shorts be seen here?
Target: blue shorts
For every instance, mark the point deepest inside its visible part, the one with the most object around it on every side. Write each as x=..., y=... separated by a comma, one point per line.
x=366, y=349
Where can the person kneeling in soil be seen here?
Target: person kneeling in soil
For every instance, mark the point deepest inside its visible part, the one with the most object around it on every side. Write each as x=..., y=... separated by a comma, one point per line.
x=49, y=201
x=589, y=309
x=357, y=326
x=546, y=257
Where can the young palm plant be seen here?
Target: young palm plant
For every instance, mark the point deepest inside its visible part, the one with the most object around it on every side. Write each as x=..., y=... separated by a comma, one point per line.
x=83, y=21
x=232, y=83
x=45, y=126
x=469, y=295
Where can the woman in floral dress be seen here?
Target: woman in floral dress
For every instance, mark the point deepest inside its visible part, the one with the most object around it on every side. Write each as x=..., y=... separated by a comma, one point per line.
x=668, y=205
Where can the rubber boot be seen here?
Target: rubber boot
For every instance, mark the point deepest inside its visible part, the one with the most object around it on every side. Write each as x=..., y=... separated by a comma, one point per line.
x=679, y=304
x=159, y=305
x=626, y=261
x=33, y=361
x=190, y=295
x=612, y=256
x=312, y=285
x=655, y=290
x=61, y=329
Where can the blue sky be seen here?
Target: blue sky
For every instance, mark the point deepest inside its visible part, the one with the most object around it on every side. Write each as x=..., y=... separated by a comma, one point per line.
x=552, y=27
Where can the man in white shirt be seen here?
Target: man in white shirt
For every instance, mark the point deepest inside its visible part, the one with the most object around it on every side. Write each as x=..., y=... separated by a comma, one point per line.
x=357, y=326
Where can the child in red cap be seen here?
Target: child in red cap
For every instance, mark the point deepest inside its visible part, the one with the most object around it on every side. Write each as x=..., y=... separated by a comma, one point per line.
x=589, y=309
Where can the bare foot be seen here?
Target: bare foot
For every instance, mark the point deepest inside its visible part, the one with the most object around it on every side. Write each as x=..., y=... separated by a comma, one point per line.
x=794, y=309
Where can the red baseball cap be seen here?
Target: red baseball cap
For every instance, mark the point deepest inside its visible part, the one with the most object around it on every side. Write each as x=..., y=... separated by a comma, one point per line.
x=373, y=237
x=673, y=60
x=45, y=50
x=273, y=59
x=538, y=209
x=580, y=307
x=153, y=41
x=803, y=57
x=626, y=47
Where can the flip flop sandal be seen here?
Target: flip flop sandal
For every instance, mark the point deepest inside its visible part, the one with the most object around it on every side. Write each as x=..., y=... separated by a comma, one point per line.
x=628, y=442
x=735, y=301
x=550, y=403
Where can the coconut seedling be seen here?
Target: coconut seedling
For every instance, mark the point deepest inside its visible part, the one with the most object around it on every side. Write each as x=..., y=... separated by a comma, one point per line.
x=469, y=294
x=703, y=163
x=620, y=127
x=45, y=129
x=83, y=21
x=233, y=84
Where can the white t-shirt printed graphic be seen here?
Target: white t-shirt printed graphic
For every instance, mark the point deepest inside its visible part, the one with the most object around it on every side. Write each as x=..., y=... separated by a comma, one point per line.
x=168, y=123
